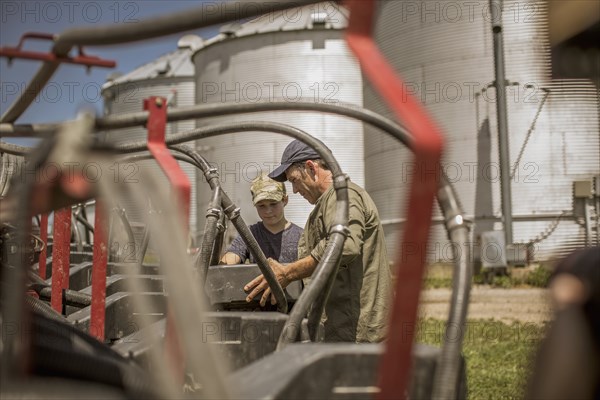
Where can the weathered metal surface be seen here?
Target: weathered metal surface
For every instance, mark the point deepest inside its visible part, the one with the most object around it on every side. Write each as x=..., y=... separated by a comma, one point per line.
x=225, y=287
x=333, y=371
x=122, y=318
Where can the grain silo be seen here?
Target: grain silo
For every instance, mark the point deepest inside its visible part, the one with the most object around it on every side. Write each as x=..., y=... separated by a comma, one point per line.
x=170, y=76
x=286, y=56
x=444, y=52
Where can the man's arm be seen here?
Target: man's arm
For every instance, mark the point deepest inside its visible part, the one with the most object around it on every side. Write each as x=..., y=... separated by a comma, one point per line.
x=300, y=269
x=235, y=251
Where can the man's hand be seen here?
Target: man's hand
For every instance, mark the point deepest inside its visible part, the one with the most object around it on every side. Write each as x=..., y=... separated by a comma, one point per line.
x=259, y=284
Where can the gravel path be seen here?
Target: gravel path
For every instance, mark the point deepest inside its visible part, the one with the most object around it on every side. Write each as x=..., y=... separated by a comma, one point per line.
x=506, y=305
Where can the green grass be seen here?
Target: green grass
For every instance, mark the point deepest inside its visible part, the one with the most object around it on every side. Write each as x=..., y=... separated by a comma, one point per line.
x=498, y=356
x=538, y=277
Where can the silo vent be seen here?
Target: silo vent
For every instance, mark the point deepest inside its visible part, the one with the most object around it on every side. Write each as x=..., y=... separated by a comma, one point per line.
x=319, y=18
x=113, y=75
x=230, y=29
x=190, y=42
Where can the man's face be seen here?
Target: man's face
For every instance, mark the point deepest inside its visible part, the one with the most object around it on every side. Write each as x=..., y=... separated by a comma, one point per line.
x=303, y=183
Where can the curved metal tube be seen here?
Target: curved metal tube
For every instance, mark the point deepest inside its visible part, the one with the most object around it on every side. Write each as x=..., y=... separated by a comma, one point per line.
x=15, y=149
x=127, y=226
x=85, y=222
x=219, y=240
x=213, y=214
x=448, y=371
x=77, y=232
x=220, y=109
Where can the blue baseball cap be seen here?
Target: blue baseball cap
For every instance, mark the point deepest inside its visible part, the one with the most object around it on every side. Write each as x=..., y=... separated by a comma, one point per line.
x=295, y=152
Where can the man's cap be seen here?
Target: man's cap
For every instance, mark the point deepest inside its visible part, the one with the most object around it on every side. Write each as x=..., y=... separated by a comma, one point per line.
x=295, y=152
x=265, y=188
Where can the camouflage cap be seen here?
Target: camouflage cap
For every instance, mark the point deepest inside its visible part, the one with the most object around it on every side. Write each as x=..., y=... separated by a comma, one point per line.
x=265, y=188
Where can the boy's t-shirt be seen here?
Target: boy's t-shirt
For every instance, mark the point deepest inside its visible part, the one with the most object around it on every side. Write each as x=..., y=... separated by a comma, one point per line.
x=281, y=246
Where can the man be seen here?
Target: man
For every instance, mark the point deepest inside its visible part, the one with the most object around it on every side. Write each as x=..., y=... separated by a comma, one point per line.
x=357, y=309
x=276, y=236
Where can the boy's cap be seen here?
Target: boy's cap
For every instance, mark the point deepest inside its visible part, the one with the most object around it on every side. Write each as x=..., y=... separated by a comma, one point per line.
x=295, y=152
x=265, y=188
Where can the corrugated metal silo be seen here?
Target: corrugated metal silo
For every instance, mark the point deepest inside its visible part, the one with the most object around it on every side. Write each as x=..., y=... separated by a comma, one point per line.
x=444, y=52
x=286, y=56
x=170, y=76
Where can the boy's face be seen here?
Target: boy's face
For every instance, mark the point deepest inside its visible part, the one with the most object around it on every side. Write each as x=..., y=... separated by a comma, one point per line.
x=271, y=211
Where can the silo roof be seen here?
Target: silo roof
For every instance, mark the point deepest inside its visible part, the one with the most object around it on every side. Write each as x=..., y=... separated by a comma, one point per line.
x=326, y=15
x=177, y=63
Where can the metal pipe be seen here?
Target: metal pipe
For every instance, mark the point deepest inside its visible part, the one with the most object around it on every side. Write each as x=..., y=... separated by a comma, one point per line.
x=44, y=253
x=34, y=87
x=221, y=109
x=128, y=230
x=72, y=297
x=587, y=221
x=15, y=149
x=76, y=233
x=85, y=223
x=447, y=372
x=502, y=118
x=219, y=240
x=213, y=214
x=125, y=33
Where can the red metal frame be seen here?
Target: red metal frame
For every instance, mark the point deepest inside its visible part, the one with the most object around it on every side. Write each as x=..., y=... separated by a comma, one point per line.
x=156, y=125
x=98, y=312
x=44, y=252
x=427, y=146
x=81, y=59
x=61, y=252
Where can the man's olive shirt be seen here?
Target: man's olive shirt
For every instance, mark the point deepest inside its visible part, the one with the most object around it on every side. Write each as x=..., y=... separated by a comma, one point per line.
x=358, y=306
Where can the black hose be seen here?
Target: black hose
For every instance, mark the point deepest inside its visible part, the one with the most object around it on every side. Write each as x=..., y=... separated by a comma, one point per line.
x=219, y=240
x=40, y=307
x=86, y=223
x=447, y=373
x=62, y=350
x=71, y=297
x=213, y=214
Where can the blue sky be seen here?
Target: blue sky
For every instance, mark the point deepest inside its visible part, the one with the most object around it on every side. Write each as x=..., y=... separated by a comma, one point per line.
x=72, y=87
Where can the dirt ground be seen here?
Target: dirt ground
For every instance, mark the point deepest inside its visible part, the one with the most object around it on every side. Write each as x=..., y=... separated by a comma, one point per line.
x=507, y=305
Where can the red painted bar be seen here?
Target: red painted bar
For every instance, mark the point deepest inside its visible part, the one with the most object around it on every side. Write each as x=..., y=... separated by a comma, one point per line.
x=61, y=251
x=44, y=253
x=157, y=122
x=395, y=364
x=99, y=272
